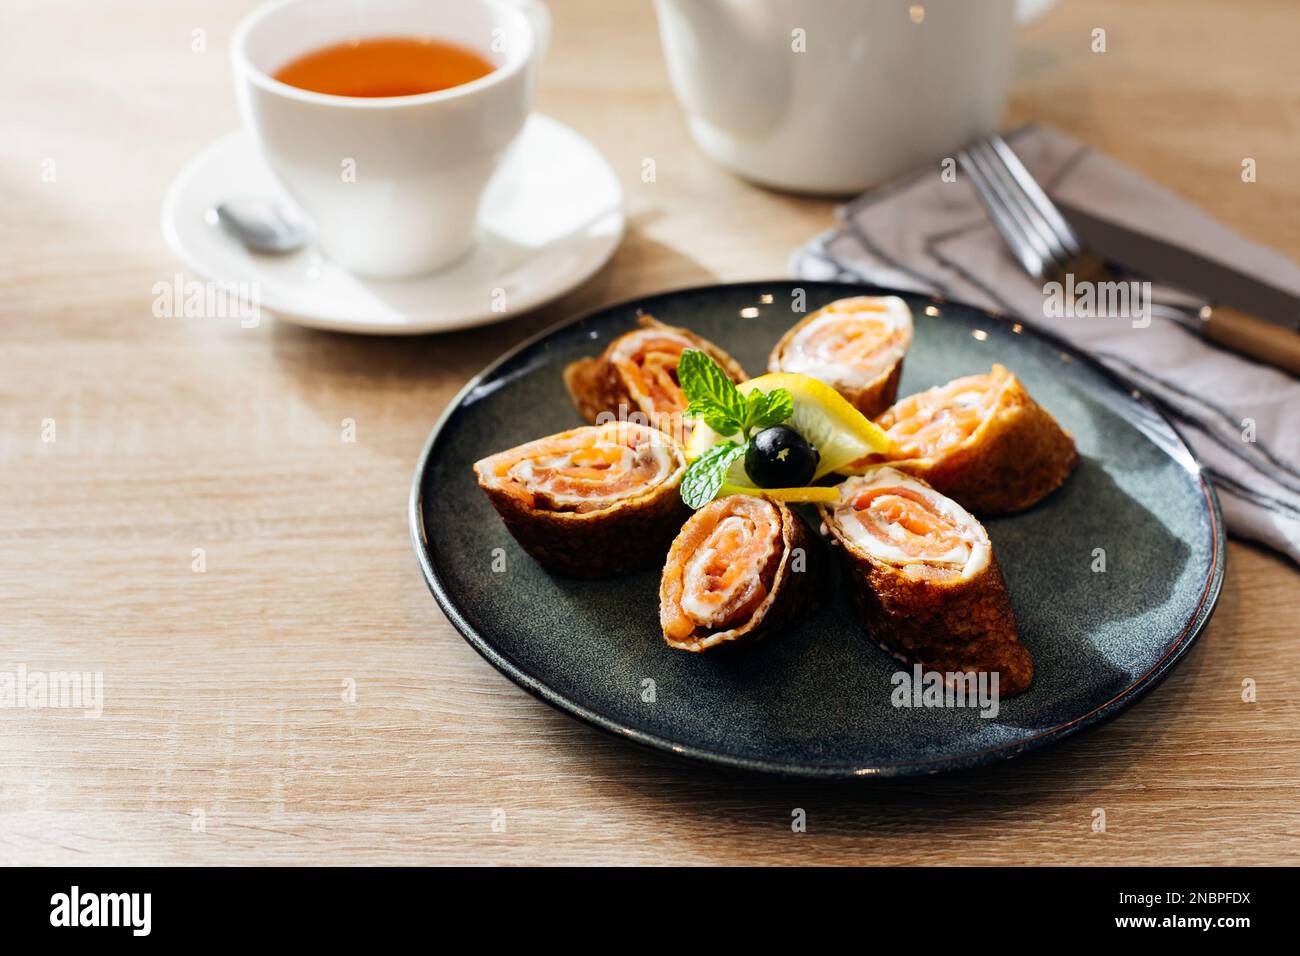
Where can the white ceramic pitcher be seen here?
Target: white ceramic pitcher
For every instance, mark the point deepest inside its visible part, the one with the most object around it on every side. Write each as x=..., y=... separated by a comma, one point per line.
x=833, y=96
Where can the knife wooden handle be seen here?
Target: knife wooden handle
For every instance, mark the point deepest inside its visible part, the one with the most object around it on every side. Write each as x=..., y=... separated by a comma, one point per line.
x=1260, y=340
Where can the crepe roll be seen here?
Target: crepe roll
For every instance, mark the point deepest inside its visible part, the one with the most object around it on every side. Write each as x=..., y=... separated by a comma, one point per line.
x=855, y=345
x=923, y=578
x=981, y=440
x=742, y=567
x=595, y=501
x=636, y=375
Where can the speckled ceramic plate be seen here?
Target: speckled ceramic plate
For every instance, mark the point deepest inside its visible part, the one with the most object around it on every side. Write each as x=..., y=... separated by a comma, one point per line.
x=816, y=700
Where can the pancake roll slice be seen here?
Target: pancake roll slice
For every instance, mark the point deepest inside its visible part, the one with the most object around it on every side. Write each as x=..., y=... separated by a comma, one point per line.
x=742, y=567
x=981, y=440
x=635, y=378
x=923, y=578
x=591, y=502
x=855, y=345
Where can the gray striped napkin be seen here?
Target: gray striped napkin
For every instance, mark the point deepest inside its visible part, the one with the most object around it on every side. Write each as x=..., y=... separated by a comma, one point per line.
x=1241, y=418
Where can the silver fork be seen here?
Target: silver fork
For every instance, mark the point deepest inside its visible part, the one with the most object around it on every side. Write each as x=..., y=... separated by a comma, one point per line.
x=1046, y=246
x=1032, y=226
x=1049, y=249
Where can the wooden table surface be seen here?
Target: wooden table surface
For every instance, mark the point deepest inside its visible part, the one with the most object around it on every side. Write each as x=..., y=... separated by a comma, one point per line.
x=229, y=734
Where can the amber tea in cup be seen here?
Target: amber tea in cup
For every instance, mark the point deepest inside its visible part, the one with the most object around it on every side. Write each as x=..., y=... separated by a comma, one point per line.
x=384, y=122
x=385, y=66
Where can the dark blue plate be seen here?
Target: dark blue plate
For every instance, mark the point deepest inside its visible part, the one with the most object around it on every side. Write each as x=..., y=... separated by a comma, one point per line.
x=816, y=701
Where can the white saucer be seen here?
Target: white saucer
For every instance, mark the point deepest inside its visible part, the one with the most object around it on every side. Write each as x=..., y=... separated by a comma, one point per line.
x=551, y=217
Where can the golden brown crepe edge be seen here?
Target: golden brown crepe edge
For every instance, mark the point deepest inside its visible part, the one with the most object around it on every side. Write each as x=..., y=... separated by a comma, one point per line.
x=596, y=387
x=1017, y=456
x=793, y=592
x=631, y=535
x=871, y=399
x=955, y=625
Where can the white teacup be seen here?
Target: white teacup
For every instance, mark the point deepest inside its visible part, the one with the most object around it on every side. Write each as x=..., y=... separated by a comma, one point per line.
x=392, y=183
x=833, y=96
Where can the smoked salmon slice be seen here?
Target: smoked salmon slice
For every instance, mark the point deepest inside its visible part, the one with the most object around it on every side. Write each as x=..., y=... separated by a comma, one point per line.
x=593, y=501
x=739, y=569
x=856, y=346
x=923, y=578
x=635, y=378
x=980, y=439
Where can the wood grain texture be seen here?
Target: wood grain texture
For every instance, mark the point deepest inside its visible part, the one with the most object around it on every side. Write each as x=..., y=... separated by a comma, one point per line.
x=225, y=691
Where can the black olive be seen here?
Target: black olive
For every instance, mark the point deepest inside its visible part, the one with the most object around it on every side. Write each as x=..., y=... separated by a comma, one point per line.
x=779, y=457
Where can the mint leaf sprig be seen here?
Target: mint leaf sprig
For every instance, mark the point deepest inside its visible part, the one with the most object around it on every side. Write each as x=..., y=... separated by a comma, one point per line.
x=714, y=400
x=713, y=397
x=706, y=474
